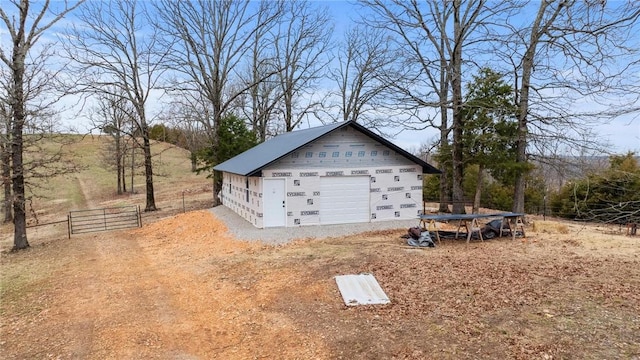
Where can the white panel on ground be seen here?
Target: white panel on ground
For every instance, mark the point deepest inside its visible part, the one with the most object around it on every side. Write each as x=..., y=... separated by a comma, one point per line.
x=361, y=289
x=344, y=199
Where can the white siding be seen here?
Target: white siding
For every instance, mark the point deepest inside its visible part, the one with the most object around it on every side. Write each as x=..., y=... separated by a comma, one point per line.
x=344, y=148
x=395, y=189
x=395, y=192
x=243, y=200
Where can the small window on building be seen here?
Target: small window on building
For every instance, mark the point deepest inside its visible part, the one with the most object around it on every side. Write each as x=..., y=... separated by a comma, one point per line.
x=322, y=154
x=385, y=153
x=336, y=154
x=374, y=153
x=294, y=155
x=361, y=153
x=308, y=154
x=348, y=154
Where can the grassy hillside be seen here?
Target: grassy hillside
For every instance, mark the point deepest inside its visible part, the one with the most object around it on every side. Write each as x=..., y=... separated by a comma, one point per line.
x=93, y=185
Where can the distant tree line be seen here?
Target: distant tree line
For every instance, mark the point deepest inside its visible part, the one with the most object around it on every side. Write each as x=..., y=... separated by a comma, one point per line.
x=603, y=194
x=611, y=195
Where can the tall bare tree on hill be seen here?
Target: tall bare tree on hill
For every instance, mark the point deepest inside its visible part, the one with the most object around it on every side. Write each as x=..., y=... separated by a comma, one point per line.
x=212, y=39
x=26, y=28
x=113, y=117
x=116, y=49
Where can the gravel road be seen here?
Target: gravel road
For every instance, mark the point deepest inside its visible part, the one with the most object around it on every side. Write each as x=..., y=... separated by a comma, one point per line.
x=243, y=230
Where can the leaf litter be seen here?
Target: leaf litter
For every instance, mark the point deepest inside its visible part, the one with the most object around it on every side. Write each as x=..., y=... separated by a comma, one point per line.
x=183, y=287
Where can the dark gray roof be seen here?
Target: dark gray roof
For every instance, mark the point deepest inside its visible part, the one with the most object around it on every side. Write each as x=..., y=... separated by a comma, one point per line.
x=252, y=161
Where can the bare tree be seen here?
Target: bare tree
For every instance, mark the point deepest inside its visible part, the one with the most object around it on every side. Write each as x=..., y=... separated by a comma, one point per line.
x=212, y=39
x=113, y=117
x=302, y=42
x=427, y=41
x=185, y=115
x=261, y=104
x=569, y=52
x=116, y=48
x=25, y=28
x=364, y=52
x=263, y=96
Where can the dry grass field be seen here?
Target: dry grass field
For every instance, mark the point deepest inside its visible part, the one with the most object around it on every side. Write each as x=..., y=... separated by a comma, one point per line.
x=181, y=287
x=94, y=186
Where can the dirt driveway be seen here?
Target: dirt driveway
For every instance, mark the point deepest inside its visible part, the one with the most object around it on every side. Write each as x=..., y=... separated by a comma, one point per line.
x=182, y=288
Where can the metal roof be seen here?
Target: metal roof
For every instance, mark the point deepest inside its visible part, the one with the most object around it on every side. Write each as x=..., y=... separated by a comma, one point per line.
x=252, y=161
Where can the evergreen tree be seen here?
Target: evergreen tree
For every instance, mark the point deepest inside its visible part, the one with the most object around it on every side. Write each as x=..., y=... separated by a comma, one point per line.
x=234, y=138
x=489, y=128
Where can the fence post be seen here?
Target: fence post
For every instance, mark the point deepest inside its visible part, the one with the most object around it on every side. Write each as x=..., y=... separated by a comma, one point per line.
x=69, y=225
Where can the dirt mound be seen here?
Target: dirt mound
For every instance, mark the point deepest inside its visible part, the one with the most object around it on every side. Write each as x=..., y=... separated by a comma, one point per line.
x=196, y=228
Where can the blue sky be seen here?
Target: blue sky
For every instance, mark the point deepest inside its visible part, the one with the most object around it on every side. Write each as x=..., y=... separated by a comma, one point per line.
x=623, y=133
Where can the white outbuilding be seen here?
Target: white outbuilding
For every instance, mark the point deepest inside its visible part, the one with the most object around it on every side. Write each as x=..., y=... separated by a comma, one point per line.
x=332, y=174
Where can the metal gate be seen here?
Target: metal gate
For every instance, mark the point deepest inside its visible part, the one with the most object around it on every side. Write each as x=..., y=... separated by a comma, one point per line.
x=85, y=221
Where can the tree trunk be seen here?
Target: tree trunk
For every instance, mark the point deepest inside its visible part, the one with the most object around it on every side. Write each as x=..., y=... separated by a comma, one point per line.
x=216, y=188
x=288, y=112
x=444, y=177
x=445, y=187
x=479, y=186
x=124, y=173
x=521, y=144
x=194, y=162
x=523, y=109
x=215, y=176
x=119, y=164
x=133, y=166
x=457, y=191
x=521, y=158
x=458, y=119
x=17, y=164
x=148, y=171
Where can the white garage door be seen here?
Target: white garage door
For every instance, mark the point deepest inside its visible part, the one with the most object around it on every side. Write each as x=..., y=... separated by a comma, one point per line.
x=344, y=199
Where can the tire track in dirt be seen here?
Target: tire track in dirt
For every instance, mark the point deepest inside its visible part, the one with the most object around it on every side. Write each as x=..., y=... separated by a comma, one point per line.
x=110, y=302
x=114, y=296
x=84, y=190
